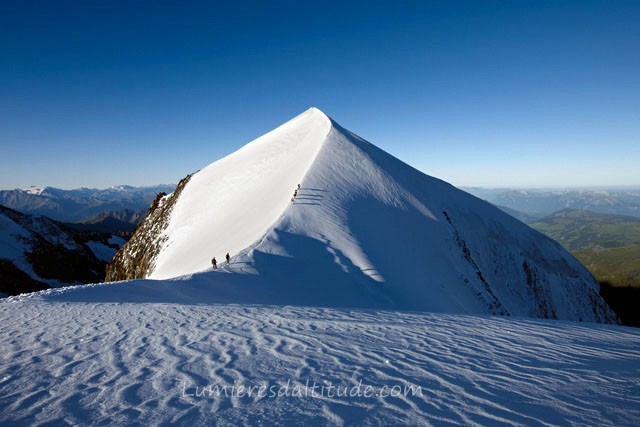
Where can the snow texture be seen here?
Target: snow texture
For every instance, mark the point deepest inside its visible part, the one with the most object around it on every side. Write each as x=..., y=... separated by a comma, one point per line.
x=102, y=251
x=365, y=230
x=231, y=203
x=80, y=363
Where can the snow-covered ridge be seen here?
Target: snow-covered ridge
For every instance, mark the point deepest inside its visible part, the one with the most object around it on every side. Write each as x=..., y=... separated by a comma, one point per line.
x=231, y=203
x=365, y=230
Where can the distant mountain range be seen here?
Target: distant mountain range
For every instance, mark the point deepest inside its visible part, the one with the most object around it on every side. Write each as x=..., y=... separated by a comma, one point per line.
x=123, y=203
x=38, y=253
x=122, y=222
x=517, y=214
x=542, y=203
x=51, y=237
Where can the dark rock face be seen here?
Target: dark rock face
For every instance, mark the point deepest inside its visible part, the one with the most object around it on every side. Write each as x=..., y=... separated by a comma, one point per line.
x=46, y=253
x=14, y=281
x=135, y=259
x=56, y=262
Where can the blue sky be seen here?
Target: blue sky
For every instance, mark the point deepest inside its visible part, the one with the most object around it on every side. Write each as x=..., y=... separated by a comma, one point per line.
x=479, y=93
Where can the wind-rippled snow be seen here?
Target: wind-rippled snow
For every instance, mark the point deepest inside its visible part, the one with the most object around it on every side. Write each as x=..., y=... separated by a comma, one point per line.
x=69, y=363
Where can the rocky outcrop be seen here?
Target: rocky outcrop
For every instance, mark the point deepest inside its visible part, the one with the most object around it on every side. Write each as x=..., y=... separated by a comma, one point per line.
x=135, y=259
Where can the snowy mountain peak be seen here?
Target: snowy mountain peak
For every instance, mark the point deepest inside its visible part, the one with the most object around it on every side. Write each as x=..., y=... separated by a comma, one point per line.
x=318, y=111
x=34, y=190
x=231, y=203
x=363, y=229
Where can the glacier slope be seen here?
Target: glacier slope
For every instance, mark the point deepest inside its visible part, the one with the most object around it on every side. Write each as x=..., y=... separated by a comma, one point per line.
x=70, y=363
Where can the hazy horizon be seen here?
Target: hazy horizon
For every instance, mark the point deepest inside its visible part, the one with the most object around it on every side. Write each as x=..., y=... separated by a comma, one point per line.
x=557, y=188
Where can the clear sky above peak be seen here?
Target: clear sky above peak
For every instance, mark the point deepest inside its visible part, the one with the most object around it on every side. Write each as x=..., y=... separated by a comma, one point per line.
x=520, y=93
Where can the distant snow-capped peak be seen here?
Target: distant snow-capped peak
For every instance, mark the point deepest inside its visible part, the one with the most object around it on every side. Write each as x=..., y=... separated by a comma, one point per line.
x=37, y=191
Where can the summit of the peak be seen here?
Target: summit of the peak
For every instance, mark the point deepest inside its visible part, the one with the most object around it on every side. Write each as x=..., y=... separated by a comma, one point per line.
x=252, y=186
x=317, y=111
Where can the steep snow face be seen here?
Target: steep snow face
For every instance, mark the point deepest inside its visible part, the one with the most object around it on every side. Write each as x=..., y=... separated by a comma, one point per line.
x=366, y=223
x=231, y=203
x=366, y=230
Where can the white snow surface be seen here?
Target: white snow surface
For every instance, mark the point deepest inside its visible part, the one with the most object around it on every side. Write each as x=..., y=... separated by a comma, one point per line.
x=366, y=230
x=102, y=251
x=34, y=190
x=106, y=252
x=231, y=203
x=70, y=363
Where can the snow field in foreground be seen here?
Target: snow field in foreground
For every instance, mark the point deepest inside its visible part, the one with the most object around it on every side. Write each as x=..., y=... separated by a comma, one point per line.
x=133, y=363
